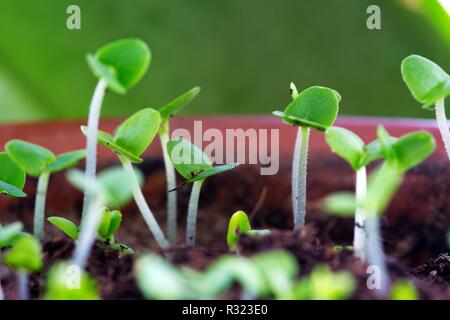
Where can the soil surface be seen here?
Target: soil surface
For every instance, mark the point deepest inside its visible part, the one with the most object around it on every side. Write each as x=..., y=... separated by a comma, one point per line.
x=413, y=227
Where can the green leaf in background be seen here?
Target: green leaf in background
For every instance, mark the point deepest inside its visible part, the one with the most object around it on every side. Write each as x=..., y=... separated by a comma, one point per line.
x=33, y=159
x=66, y=160
x=121, y=63
x=61, y=284
x=279, y=269
x=65, y=225
x=404, y=290
x=187, y=158
x=25, y=254
x=341, y=204
x=12, y=178
x=315, y=107
x=346, y=144
x=178, y=103
x=413, y=148
x=425, y=79
x=9, y=233
x=238, y=224
x=137, y=132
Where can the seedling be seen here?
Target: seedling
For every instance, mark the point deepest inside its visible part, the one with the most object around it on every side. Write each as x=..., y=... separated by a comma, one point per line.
x=109, y=223
x=238, y=225
x=324, y=284
x=404, y=290
x=68, y=282
x=166, y=113
x=7, y=235
x=12, y=178
x=129, y=141
x=401, y=155
x=194, y=166
x=430, y=85
x=265, y=274
x=106, y=191
x=350, y=147
x=119, y=66
x=40, y=162
x=24, y=256
x=315, y=107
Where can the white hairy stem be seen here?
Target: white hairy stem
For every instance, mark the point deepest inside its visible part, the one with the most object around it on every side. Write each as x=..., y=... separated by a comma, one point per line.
x=143, y=206
x=299, y=173
x=39, y=205
x=192, y=213
x=22, y=285
x=91, y=142
x=171, y=185
x=360, y=235
x=443, y=125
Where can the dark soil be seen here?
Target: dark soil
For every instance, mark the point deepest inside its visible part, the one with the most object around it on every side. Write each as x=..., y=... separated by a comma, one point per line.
x=414, y=226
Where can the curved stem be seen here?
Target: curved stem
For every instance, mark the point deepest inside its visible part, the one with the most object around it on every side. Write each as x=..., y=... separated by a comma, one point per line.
x=91, y=142
x=171, y=185
x=360, y=236
x=143, y=206
x=192, y=213
x=22, y=285
x=39, y=205
x=442, y=124
x=88, y=233
x=299, y=172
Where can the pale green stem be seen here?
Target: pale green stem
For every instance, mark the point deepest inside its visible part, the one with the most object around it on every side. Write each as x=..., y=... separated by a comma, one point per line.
x=22, y=285
x=360, y=236
x=443, y=125
x=171, y=185
x=39, y=205
x=299, y=172
x=143, y=206
x=192, y=213
x=88, y=233
x=91, y=142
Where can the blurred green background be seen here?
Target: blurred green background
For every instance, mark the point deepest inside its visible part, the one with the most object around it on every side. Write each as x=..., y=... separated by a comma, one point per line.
x=243, y=53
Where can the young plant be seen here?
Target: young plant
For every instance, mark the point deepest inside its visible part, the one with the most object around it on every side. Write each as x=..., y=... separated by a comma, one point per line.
x=324, y=284
x=401, y=155
x=24, y=256
x=166, y=113
x=7, y=235
x=40, y=162
x=315, y=107
x=106, y=191
x=109, y=224
x=429, y=85
x=350, y=147
x=58, y=285
x=119, y=66
x=238, y=225
x=129, y=141
x=194, y=166
x=12, y=177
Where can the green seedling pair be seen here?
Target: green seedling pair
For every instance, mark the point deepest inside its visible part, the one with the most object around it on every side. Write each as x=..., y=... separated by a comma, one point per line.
x=40, y=162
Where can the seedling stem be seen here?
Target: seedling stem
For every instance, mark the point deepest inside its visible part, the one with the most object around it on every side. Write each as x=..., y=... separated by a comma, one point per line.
x=143, y=206
x=22, y=283
x=442, y=124
x=192, y=212
x=171, y=185
x=360, y=236
x=299, y=177
x=39, y=206
x=91, y=142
